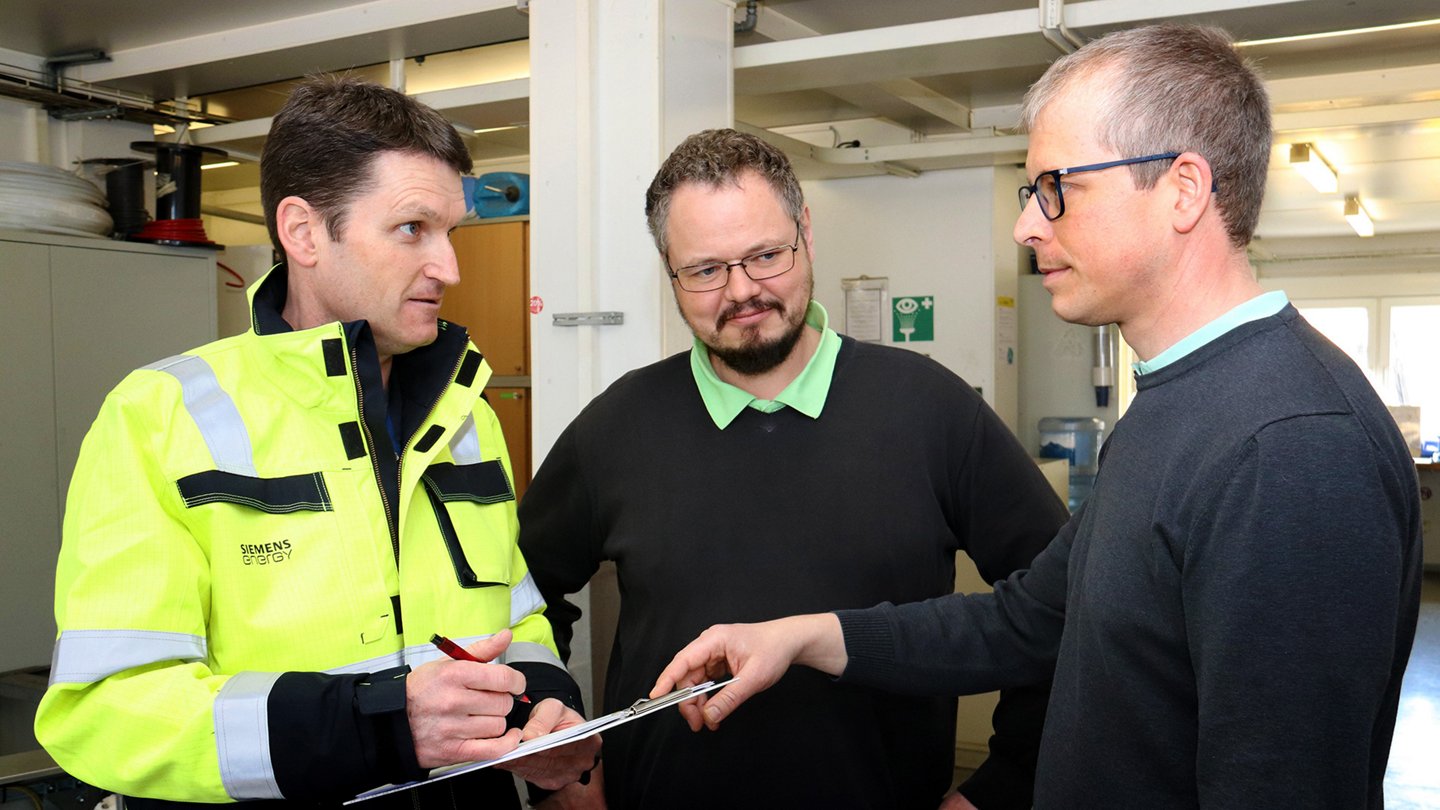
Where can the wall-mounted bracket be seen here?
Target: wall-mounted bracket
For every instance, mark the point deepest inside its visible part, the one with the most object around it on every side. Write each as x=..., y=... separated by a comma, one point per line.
x=589, y=318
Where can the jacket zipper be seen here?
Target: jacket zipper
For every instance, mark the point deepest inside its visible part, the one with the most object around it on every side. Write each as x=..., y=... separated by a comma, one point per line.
x=391, y=522
x=399, y=457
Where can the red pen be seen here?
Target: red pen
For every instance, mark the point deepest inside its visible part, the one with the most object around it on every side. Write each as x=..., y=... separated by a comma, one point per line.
x=459, y=653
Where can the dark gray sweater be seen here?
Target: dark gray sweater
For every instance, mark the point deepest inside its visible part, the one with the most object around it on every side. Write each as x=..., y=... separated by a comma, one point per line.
x=1233, y=608
x=780, y=514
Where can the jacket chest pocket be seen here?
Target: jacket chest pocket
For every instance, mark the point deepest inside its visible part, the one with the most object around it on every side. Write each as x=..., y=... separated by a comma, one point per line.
x=286, y=522
x=276, y=558
x=472, y=508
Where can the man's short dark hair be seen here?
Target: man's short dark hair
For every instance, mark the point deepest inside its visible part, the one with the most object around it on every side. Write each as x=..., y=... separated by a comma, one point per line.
x=713, y=158
x=324, y=141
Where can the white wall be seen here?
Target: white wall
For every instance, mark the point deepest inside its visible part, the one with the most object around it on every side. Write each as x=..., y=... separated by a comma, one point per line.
x=1356, y=285
x=18, y=122
x=930, y=235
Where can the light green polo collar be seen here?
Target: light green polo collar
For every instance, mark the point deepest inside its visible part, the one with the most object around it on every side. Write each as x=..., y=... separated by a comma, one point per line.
x=1261, y=306
x=806, y=393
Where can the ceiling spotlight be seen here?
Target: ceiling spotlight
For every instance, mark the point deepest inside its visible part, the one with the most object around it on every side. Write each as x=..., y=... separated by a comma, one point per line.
x=1307, y=160
x=1358, y=217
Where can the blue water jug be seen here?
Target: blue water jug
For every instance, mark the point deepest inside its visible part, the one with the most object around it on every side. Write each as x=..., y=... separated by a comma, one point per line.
x=1076, y=439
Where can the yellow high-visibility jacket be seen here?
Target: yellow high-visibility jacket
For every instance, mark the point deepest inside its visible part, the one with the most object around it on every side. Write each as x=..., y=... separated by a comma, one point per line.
x=243, y=546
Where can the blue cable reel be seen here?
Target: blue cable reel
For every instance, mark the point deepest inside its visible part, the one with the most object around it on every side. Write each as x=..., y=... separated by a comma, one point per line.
x=498, y=194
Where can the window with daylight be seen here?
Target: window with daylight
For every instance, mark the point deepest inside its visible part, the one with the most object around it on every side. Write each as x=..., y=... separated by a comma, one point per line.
x=1396, y=341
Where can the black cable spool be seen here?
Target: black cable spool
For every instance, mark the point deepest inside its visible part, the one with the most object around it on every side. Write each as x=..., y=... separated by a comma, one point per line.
x=124, y=191
x=179, y=163
x=177, y=194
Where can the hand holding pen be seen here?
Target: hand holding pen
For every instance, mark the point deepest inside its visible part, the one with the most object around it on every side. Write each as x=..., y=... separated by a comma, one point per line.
x=551, y=769
x=458, y=713
x=519, y=713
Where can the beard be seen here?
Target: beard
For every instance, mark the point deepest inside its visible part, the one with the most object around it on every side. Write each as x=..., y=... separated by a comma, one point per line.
x=754, y=355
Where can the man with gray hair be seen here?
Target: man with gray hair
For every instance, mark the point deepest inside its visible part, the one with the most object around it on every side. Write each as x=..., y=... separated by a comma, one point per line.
x=779, y=467
x=1229, y=621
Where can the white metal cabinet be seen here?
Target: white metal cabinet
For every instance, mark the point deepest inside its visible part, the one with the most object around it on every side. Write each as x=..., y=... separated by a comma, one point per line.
x=76, y=316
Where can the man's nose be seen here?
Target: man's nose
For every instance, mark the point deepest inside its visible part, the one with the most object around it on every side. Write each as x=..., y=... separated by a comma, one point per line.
x=444, y=267
x=1031, y=224
x=739, y=286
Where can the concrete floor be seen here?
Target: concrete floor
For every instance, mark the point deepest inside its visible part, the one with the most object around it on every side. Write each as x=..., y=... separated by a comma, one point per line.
x=1413, y=779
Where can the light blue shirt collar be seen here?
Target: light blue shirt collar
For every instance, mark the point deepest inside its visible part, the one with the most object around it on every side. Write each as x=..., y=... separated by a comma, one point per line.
x=1261, y=306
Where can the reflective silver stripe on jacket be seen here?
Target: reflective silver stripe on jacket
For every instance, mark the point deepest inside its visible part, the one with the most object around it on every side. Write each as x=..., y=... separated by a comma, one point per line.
x=88, y=656
x=525, y=599
x=465, y=444
x=214, y=413
x=387, y=661
x=530, y=651
x=242, y=736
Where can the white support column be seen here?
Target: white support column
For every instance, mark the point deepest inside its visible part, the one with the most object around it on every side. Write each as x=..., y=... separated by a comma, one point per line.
x=615, y=85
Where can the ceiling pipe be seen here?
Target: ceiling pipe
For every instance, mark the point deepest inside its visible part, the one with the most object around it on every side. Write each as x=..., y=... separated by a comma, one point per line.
x=1052, y=26
x=750, y=19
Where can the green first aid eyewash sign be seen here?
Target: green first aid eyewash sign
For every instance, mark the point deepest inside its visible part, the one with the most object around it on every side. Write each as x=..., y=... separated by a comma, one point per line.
x=913, y=318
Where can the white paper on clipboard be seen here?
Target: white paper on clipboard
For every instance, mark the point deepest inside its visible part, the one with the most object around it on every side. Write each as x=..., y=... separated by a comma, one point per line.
x=639, y=708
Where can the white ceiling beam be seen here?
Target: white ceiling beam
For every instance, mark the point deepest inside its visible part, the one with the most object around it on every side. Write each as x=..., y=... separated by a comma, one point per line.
x=935, y=103
x=887, y=39
x=776, y=26
x=1006, y=39
x=924, y=150
x=1413, y=82
x=1366, y=116
x=28, y=61
x=375, y=18
x=978, y=26
x=476, y=94
x=227, y=133
x=443, y=100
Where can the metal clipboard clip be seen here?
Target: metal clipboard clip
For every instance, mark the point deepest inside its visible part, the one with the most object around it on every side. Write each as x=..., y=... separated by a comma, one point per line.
x=644, y=705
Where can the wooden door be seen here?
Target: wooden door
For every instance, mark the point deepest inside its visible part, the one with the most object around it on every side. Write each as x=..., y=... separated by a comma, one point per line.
x=512, y=407
x=491, y=301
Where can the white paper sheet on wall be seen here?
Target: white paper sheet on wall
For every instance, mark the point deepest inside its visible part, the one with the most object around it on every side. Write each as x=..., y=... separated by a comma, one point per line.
x=866, y=305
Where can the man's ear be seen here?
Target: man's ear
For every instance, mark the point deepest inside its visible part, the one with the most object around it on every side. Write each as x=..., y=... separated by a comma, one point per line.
x=806, y=233
x=1192, y=180
x=301, y=229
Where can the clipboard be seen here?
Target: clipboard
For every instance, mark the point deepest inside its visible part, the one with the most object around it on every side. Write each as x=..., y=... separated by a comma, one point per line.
x=639, y=708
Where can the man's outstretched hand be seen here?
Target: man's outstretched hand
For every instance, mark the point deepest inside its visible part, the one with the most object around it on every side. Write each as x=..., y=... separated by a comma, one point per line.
x=757, y=655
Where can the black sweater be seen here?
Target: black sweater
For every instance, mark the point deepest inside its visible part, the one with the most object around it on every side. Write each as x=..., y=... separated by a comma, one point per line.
x=1238, y=597
x=781, y=514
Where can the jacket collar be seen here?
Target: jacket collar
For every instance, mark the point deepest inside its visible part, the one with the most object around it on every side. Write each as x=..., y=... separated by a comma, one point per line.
x=303, y=369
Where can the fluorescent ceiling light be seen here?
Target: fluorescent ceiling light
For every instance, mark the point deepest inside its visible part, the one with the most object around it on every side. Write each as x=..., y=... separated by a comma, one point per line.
x=496, y=129
x=1345, y=33
x=221, y=165
x=1358, y=217
x=1307, y=160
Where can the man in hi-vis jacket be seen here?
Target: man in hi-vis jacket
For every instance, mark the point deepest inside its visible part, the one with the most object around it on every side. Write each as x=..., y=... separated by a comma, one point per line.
x=263, y=534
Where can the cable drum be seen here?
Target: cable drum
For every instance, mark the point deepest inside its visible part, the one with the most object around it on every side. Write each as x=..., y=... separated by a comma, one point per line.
x=35, y=197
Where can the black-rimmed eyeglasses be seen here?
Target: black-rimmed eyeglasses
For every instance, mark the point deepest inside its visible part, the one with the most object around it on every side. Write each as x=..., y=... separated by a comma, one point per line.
x=760, y=265
x=1047, y=185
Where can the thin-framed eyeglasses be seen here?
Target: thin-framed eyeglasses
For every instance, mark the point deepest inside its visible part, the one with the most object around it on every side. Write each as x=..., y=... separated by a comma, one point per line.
x=1047, y=186
x=760, y=265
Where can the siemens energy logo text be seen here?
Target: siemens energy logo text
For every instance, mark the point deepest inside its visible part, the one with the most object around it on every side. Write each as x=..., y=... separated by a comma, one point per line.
x=265, y=553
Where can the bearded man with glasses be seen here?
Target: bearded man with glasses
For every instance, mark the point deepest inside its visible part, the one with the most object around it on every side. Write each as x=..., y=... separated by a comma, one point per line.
x=779, y=467
x=1230, y=613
